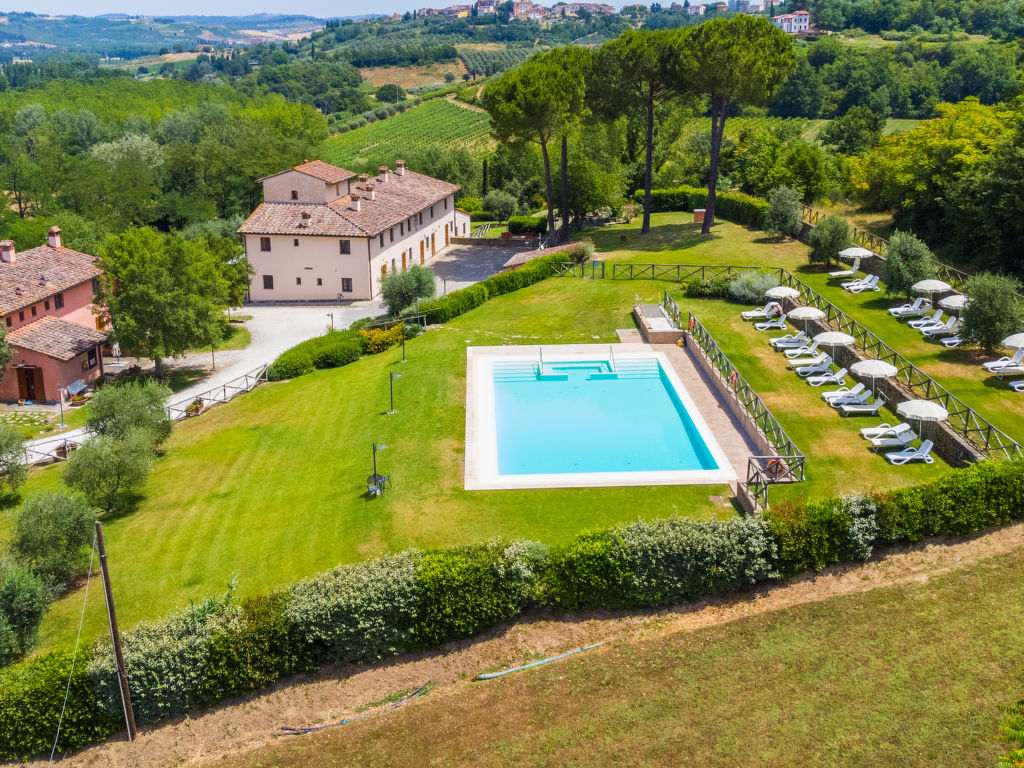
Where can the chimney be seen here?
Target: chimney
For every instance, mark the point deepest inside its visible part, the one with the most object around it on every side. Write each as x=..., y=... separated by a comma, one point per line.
x=53, y=237
x=357, y=204
x=400, y=167
x=19, y=291
x=364, y=177
x=372, y=189
x=7, y=254
x=42, y=280
x=383, y=173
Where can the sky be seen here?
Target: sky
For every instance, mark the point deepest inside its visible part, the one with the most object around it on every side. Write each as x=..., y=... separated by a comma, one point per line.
x=321, y=8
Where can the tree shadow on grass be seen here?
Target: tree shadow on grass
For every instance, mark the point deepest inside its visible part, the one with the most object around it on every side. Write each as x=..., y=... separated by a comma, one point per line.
x=667, y=237
x=9, y=500
x=126, y=504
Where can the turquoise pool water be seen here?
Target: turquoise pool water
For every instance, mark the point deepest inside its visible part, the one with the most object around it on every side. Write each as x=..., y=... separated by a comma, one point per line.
x=586, y=417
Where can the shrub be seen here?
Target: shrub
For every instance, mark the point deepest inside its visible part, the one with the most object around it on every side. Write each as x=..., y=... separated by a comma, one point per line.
x=715, y=288
x=110, y=471
x=117, y=410
x=24, y=600
x=750, y=287
x=500, y=204
x=994, y=311
x=527, y=225
x=401, y=289
x=658, y=563
x=811, y=536
x=360, y=612
x=471, y=205
x=379, y=339
x=467, y=589
x=52, y=535
x=1011, y=730
x=829, y=236
x=784, y=215
x=580, y=251
x=31, y=701
x=291, y=364
x=337, y=353
x=907, y=261
x=12, y=471
x=734, y=206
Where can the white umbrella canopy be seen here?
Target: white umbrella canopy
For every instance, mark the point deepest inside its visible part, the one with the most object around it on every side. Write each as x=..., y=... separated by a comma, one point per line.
x=782, y=292
x=955, y=302
x=856, y=252
x=1014, y=342
x=874, y=369
x=806, y=314
x=922, y=410
x=931, y=286
x=834, y=339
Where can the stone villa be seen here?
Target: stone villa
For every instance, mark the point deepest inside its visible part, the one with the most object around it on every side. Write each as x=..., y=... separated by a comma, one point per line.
x=324, y=234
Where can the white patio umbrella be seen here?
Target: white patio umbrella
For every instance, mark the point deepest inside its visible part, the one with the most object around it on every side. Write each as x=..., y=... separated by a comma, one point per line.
x=834, y=339
x=921, y=411
x=954, y=303
x=874, y=369
x=782, y=292
x=806, y=314
x=931, y=286
x=856, y=252
x=1014, y=342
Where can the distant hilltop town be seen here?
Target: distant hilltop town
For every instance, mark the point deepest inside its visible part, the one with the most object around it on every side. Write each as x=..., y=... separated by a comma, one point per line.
x=530, y=11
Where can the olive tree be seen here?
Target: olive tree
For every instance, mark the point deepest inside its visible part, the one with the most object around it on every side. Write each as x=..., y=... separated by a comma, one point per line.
x=117, y=410
x=994, y=310
x=907, y=261
x=108, y=470
x=52, y=533
x=829, y=236
x=12, y=471
x=784, y=216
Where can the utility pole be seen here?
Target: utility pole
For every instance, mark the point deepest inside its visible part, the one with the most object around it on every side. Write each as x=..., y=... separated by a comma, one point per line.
x=115, y=635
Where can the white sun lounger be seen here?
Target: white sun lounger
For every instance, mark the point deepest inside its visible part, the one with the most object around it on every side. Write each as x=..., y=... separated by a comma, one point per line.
x=1017, y=386
x=804, y=350
x=945, y=329
x=901, y=439
x=952, y=341
x=1004, y=362
x=907, y=310
x=790, y=340
x=778, y=324
x=822, y=358
x=871, y=284
x=862, y=409
x=854, y=283
x=842, y=392
x=884, y=430
x=853, y=270
x=924, y=322
x=813, y=369
x=771, y=309
x=860, y=398
x=912, y=454
x=828, y=378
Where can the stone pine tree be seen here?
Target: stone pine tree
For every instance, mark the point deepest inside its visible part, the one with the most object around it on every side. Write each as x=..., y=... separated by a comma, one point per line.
x=732, y=62
x=634, y=78
x=571, y=70
x=534, y=102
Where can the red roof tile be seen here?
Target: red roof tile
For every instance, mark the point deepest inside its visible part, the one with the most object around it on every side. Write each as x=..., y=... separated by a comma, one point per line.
x=56, y=338
x=327, y=173
x=41, y=272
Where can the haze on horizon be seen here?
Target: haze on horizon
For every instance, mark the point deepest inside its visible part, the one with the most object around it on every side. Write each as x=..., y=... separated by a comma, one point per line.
x=320, y=8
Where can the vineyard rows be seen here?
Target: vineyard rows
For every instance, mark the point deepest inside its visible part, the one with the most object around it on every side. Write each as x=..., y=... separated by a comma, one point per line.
x=490, y=62
x=435, y=123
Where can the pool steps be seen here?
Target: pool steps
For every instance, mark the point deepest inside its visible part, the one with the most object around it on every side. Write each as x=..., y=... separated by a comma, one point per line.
x=646, y=368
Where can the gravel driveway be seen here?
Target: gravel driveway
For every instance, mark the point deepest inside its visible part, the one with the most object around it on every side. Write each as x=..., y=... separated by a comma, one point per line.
x=462, y=265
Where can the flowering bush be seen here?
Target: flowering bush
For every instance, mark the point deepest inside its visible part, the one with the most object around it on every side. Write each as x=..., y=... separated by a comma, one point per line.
x=379, y=339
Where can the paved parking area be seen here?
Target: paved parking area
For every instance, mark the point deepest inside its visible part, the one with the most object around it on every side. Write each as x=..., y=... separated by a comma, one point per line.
x=462, y=265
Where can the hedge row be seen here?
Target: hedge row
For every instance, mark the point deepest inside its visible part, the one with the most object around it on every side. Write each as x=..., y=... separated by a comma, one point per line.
x=735, y=206
x=332, y=350
x=420, y=599
x=528, y=225
x=444, y=308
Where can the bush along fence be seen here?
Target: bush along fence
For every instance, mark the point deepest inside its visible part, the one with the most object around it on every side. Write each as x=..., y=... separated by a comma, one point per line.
x=369, y=611
x=981, y=438
x=735, y=206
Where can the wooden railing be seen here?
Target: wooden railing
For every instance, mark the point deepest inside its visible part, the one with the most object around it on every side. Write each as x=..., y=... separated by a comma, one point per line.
x=591, y=268
x=787, y=463
x=193, y=406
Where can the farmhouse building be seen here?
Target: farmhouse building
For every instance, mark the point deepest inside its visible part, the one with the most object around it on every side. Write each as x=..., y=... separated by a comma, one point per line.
x=53, y=329
x=793, y=23
x=322, y=233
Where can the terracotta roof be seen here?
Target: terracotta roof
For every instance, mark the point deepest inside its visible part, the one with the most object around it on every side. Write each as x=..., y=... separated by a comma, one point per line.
x=41, y=272
x=327, y=173
x=56, y=338
x=396, y=200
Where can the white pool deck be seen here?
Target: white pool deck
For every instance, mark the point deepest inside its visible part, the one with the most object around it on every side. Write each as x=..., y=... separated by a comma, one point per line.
x=724, y=438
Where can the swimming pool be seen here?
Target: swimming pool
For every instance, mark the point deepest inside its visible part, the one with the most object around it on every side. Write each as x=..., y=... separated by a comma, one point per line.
x=548, y=417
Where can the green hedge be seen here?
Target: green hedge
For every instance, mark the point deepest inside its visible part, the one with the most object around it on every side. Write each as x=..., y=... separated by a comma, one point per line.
x=332, y=350
x=735, y=206
x=374, y=609
x=445, y=308
x=528, y=225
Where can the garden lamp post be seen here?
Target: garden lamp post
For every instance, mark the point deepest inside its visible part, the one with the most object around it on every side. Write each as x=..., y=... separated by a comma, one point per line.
x=60, y=399
x=403, y=342
x=213, y=357
x=391, y=377
x=331, y=315
x=376, y=447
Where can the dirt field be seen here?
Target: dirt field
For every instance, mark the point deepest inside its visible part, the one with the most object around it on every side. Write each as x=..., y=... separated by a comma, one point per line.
x=241, y=726
x=410, y=77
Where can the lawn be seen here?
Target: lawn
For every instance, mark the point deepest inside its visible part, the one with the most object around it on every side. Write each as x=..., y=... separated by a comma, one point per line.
x=910, y=675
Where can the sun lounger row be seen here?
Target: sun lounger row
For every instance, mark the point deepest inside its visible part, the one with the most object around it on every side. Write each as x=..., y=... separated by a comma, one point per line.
x=869, y=283
x=1006, y=366
x=768, y=311
x=900, y=436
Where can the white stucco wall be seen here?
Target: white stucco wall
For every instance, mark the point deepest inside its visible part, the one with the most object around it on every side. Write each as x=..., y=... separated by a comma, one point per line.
x=278, y=189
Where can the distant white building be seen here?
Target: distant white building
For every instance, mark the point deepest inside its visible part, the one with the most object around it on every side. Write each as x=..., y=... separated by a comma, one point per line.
x=793, y=23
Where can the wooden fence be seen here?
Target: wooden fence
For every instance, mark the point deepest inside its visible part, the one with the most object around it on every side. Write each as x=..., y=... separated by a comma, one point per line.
x=202, y=402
